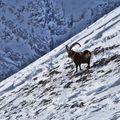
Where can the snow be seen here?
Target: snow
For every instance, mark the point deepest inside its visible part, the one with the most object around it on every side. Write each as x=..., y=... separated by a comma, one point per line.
x=31, y=28
x=49, y=88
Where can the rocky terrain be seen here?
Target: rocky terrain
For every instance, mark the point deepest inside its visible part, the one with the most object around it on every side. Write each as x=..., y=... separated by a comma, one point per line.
x=49, y=88
x=32, y=28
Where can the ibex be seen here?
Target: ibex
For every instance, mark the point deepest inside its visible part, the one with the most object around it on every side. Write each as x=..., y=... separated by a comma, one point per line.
x=79, y=57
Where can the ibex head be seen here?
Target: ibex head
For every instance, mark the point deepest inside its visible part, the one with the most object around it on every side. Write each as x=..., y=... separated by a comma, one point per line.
x=69, y=49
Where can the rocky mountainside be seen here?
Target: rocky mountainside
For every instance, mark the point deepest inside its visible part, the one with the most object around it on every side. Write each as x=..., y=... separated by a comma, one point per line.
x=49, y=88
x=31, y=28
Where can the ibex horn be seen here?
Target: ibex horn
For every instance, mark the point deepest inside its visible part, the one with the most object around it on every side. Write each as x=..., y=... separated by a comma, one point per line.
x=76, y=43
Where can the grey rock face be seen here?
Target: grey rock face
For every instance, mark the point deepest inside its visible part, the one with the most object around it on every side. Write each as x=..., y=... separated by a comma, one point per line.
x=31, y=28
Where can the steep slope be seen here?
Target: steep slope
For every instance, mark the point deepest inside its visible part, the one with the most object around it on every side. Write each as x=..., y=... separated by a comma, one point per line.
x=31, y=28
x=48, y=89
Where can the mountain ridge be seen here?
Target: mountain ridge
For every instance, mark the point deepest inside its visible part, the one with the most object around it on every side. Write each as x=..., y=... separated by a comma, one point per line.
x=49, y=89
x=30, y=29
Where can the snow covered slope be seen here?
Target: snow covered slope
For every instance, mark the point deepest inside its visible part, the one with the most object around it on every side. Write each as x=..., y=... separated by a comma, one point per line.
x=48, y=89
x=31, y=28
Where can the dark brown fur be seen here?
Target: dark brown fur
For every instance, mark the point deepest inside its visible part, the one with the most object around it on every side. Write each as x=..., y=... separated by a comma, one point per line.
x=79, y=57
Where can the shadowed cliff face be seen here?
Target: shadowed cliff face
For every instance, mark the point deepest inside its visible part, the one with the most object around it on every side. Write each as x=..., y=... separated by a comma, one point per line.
x=31, y=28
